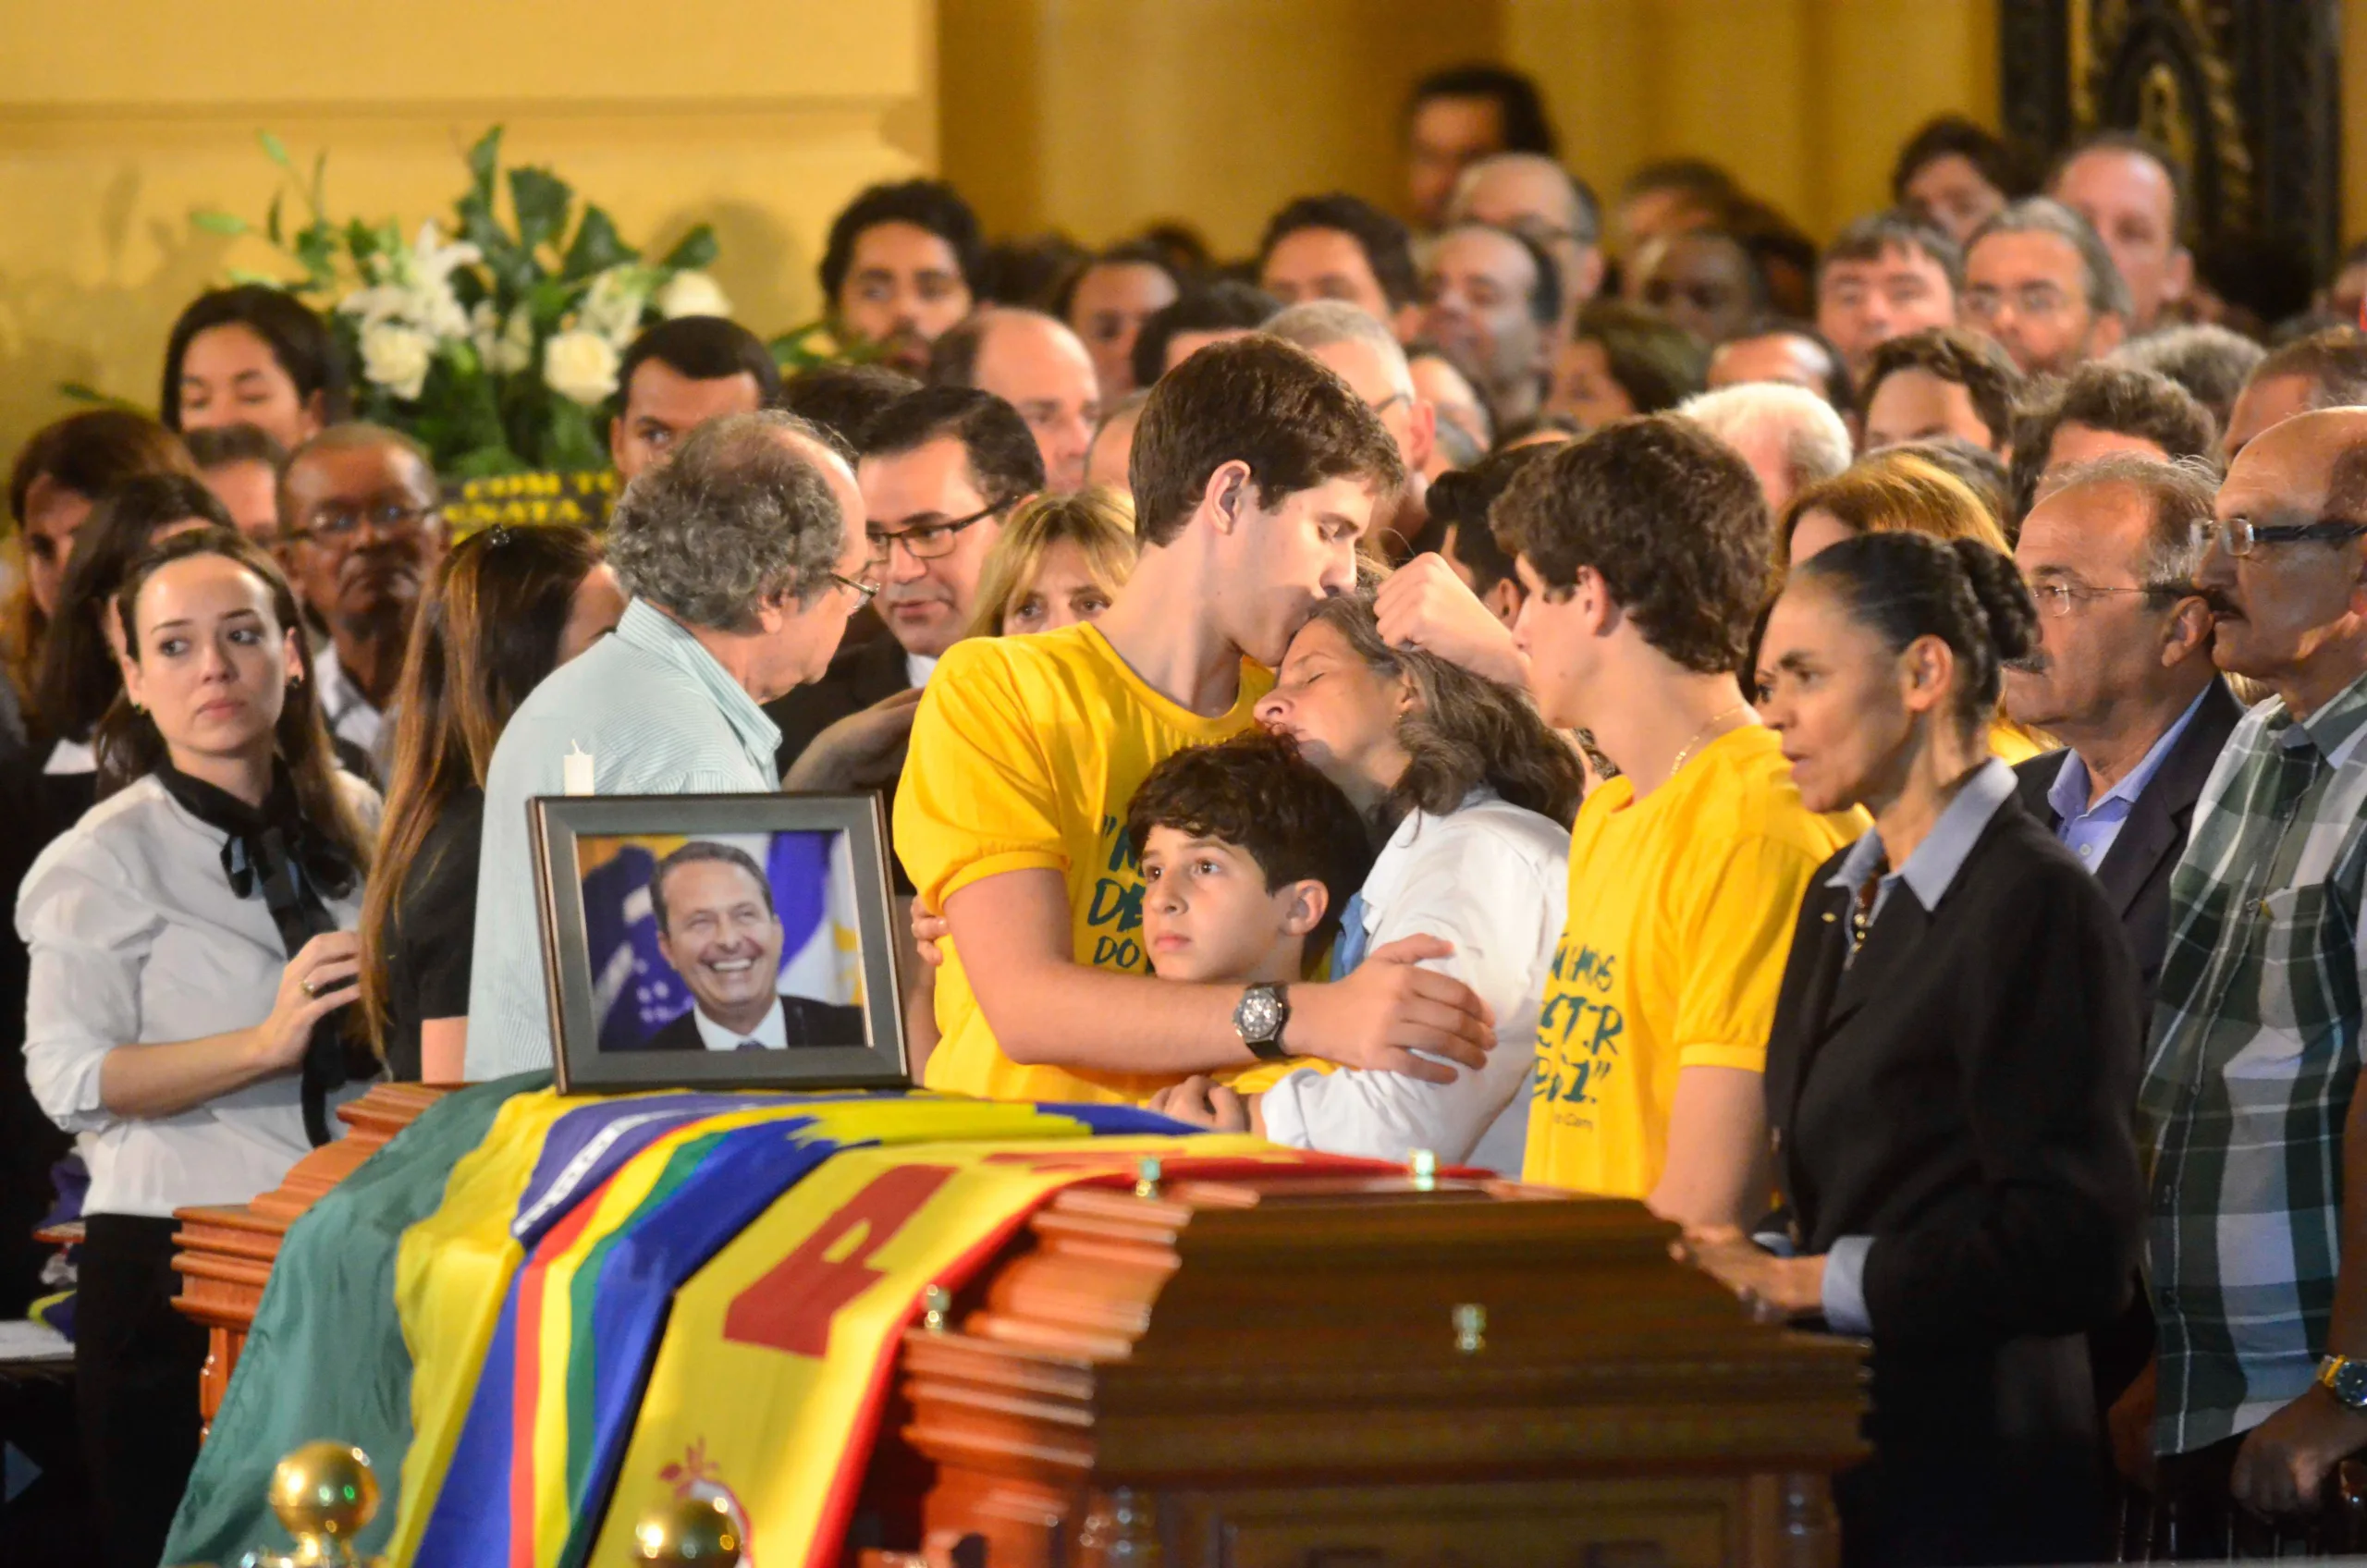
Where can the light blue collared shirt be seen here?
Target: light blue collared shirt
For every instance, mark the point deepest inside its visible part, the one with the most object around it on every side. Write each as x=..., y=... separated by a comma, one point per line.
x=659, y=717
x=1928, y=875
x=2090, y=831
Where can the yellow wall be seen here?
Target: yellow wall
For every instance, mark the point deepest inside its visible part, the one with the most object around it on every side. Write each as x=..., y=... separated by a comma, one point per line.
x=1097, y=116
x=1806, y=101
x=1101, y=115
x=117, y=117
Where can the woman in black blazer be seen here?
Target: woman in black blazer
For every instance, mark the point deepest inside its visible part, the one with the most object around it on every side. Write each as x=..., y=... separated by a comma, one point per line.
x=1951, y=1073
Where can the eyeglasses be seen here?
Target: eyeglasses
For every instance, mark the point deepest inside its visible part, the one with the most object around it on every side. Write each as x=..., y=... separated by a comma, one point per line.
x=2056, y=600
x=2038, y=300
x=928, y=541
x=864, y=592
x=341, y=522
x=2241, y=535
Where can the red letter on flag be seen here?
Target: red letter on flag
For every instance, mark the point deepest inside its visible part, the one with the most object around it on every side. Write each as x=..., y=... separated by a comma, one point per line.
x=791, y=1308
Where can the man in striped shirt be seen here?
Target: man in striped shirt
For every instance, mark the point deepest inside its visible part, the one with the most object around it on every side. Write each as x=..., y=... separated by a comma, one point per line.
x=743, y=555
x=2259, y=1143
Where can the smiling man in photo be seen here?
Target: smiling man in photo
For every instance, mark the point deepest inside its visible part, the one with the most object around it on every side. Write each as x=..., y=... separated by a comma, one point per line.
x=717, y=927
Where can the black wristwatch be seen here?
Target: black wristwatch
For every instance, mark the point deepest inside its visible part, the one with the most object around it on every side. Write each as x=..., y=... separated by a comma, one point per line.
x=1259, y=1019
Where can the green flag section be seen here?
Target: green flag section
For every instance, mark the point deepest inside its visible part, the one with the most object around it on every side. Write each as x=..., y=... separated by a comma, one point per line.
x=326, y=1354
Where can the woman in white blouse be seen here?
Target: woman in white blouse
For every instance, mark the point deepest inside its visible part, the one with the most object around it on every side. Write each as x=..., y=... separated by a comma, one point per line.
x=1471, y=797
x=190, y=948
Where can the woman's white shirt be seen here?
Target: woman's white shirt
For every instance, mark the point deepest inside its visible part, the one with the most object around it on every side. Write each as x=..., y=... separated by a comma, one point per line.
x=136, y=937
x=1494, y=879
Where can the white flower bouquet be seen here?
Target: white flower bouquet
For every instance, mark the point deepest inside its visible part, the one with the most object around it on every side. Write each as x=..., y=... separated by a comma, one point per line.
x=497, y=346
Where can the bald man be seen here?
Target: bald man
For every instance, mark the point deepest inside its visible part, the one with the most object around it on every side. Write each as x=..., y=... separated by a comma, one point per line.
x=1035, y=363
x=363, y=520
x=2259, y=1239
x=1532, y=193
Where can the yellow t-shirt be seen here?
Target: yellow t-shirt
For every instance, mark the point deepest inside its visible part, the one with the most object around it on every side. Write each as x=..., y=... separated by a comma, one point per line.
x=1681, y=916
x=2013, y=743
x=1025, y=756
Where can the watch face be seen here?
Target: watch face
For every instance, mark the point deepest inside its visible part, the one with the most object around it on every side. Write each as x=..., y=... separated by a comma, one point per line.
x=2350, y=1384
x=1259, y=1015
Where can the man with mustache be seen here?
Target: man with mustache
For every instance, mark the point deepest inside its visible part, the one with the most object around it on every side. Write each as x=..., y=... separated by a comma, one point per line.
x=717, y=927
x=2122, y=677
x=2249, y=1103
x=363, y=526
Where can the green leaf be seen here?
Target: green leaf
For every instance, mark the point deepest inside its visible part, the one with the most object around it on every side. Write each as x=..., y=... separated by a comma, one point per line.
x=541, y=199
x=270, y=220
x=597, y=246
x=484, y=162
x=320, y=196
x=572, y=443
x=212, y=220
x=550, y=300
x=81, y=392
x=488, y=461
x=275, y=149
x=696, y=249
x=243, y=275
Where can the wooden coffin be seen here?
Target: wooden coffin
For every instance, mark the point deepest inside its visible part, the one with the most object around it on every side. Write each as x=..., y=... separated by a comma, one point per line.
x=1319, y=1372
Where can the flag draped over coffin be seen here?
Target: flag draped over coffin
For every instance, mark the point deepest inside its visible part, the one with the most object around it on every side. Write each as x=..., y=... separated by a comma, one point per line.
x=698, y=1293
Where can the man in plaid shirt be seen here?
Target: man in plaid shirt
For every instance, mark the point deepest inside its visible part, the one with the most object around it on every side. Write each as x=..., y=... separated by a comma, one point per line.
x=2259, y=1222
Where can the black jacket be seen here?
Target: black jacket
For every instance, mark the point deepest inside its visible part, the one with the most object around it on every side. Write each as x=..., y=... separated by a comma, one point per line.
x=1962, y=1093
x=2135, y=875
x=860, y=674
x=807, y=1023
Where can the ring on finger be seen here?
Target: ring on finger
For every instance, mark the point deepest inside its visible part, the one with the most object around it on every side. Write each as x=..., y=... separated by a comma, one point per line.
x=309, y=988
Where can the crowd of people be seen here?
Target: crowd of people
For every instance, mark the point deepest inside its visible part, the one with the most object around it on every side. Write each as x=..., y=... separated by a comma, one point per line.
x=1858, y=748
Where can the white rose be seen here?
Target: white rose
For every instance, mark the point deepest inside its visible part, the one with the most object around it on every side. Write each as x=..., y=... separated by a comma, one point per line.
x=580, y=366
x=396, y=359
x=689, y=293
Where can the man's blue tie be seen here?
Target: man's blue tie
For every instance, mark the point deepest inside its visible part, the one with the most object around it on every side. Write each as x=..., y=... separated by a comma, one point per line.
x=1348, y=947
x=749, y=1046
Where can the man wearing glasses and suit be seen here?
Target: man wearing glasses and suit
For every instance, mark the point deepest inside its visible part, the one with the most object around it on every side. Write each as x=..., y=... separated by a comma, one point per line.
x=939, y=469
x=2123, y=678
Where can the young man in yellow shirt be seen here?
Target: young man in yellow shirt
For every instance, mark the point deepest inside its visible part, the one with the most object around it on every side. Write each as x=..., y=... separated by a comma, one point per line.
x=1255, y=470
x=1645, y=552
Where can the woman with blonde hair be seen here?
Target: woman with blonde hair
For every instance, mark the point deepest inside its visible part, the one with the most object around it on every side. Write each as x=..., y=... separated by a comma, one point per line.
x=1898, y=491
x=1056, y=561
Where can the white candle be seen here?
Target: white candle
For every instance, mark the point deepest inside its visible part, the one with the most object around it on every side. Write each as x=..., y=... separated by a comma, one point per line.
x=575, y=770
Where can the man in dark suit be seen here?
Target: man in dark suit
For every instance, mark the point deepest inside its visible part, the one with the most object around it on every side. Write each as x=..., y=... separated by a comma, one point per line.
x=939, y=469
x=716, y=926
x=2123, y=678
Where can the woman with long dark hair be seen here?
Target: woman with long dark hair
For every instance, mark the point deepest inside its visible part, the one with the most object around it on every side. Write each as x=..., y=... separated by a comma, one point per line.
x=191, y=947
x=1950, y=1071
x=509, y=606
x=1470, y=797
x=254, y=355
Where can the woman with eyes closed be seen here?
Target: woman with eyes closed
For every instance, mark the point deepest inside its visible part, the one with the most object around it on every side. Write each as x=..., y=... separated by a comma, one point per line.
x=254, y=355
x=1950, y=1070
x=1469, y=796
x=192, y=955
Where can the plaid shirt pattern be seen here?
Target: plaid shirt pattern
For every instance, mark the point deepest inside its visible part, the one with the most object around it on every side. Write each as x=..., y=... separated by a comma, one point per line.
x=2256, y=1050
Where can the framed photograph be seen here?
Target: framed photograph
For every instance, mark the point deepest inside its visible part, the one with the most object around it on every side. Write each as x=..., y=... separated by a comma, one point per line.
x=719, y=941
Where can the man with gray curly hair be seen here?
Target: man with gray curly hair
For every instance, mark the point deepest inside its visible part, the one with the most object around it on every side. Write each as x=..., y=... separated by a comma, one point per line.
x=742, y=558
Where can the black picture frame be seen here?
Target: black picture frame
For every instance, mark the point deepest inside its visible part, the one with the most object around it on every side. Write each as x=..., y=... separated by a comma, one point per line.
x=562, y=823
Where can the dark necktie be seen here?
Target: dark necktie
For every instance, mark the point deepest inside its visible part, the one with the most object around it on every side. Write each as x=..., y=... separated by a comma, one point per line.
x=749, y=1046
